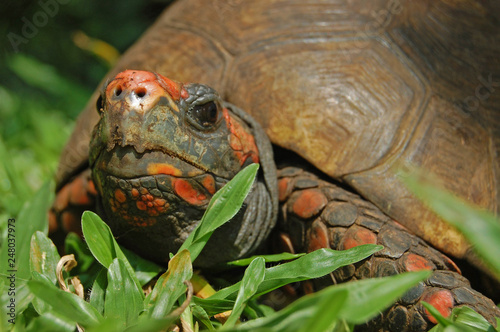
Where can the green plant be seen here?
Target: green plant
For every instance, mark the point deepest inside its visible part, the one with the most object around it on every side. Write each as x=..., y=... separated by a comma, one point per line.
x=116, y=302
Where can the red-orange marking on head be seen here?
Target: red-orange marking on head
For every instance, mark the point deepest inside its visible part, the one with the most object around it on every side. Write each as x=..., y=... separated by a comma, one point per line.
x=135, y=192
x=120, y=196
x=309, y=203
x=240, y=140
x=415, y=262
x=154, y=169
x=357, y=236
x=187, y=192
x=209, y=183
x=442, y=300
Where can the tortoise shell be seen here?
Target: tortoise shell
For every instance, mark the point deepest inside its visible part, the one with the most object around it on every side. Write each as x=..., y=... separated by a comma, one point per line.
x=357, y=88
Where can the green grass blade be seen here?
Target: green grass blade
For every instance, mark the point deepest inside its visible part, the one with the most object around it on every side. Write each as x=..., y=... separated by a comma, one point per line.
x=222, y=207
x=468, y=317
x=98, y=292
x=66, y=304
x=144, y=270
x=253, y=277
x=313, y=265
x=44, y=256
x=170, y=286
x=267, y=258
x=355, y=302
x=124, y=300
x=325, y=313
x=480, y=227
x=32, y=218
x=102, y=244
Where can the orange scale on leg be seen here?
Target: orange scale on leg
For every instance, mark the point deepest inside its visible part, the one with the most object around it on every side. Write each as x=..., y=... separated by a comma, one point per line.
x=120, y=196
x=442, y=300
x=309, y=203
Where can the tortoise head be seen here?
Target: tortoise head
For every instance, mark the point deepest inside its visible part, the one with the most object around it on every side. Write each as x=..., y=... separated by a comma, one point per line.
x=160, y=151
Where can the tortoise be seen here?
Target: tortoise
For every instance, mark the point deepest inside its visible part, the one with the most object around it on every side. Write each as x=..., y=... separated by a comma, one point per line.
x=347, y=92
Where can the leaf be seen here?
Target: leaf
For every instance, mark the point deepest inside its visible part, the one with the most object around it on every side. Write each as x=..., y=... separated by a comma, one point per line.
x=73, y=244
x=170, y=286
x=479, y=226
x=253, y=277
x=325, y=313
x=468, y=317
x=44, y=256
x=98, y=292
x=352, y=301
x=51, y=322
x=313, y=265
x=268, y=259
x=32, y=218
x=124, y=300
x=222, y=207
x=102, y=244
x=145, y=270
x=66, y=304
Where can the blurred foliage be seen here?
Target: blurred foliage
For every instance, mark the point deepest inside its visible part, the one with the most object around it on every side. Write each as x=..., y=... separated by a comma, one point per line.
x=47, y=75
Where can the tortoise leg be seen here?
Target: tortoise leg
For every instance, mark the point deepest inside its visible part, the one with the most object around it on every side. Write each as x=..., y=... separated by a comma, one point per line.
x=71, y=201
x=319, y=214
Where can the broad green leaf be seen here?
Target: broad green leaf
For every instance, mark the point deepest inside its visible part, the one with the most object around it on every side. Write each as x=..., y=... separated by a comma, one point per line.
x=170, y=286
x=313, y=265
x=267, y=258
x=51, y=322
x=479, y=226
x=468, y=317
x=102, y=244
x=44, y=256
x=32, y=218
x=222, y=207
x=253, y=277
x=124, y=300
x=325, y=313
x=66, y=304
x=98, y=292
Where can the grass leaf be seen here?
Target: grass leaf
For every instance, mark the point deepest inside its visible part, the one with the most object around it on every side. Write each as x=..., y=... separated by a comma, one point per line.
x=253, y=277
x=222, y=207
x=170, y=286
x=102, y=244
x=66, y=304
x=124, y=300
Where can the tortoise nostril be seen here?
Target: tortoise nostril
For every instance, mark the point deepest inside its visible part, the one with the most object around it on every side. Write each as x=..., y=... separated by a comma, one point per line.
x=118, y=90
x=140, y=92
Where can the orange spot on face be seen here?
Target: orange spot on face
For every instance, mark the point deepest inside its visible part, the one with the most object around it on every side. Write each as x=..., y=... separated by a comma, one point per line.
x=442, y=300
x=356, y=236
x=141, y=205
x=155, y=168
x=187, y=192
x=240, y=140
x=415, y=262
x=120, y=196
x=309, y=203
x=209, y=183
x=159, y=202
x=283, y=189
x=135, y=192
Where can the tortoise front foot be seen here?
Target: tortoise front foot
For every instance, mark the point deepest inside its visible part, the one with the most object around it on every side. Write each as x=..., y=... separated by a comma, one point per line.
x=318, y=214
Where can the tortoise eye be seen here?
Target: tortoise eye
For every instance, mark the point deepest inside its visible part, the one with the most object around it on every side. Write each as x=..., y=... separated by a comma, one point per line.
x=100, y=104
x=205, y=115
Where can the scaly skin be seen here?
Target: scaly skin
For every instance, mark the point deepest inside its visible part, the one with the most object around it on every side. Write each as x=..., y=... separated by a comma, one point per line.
x=318, y=214
x=159, y=153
